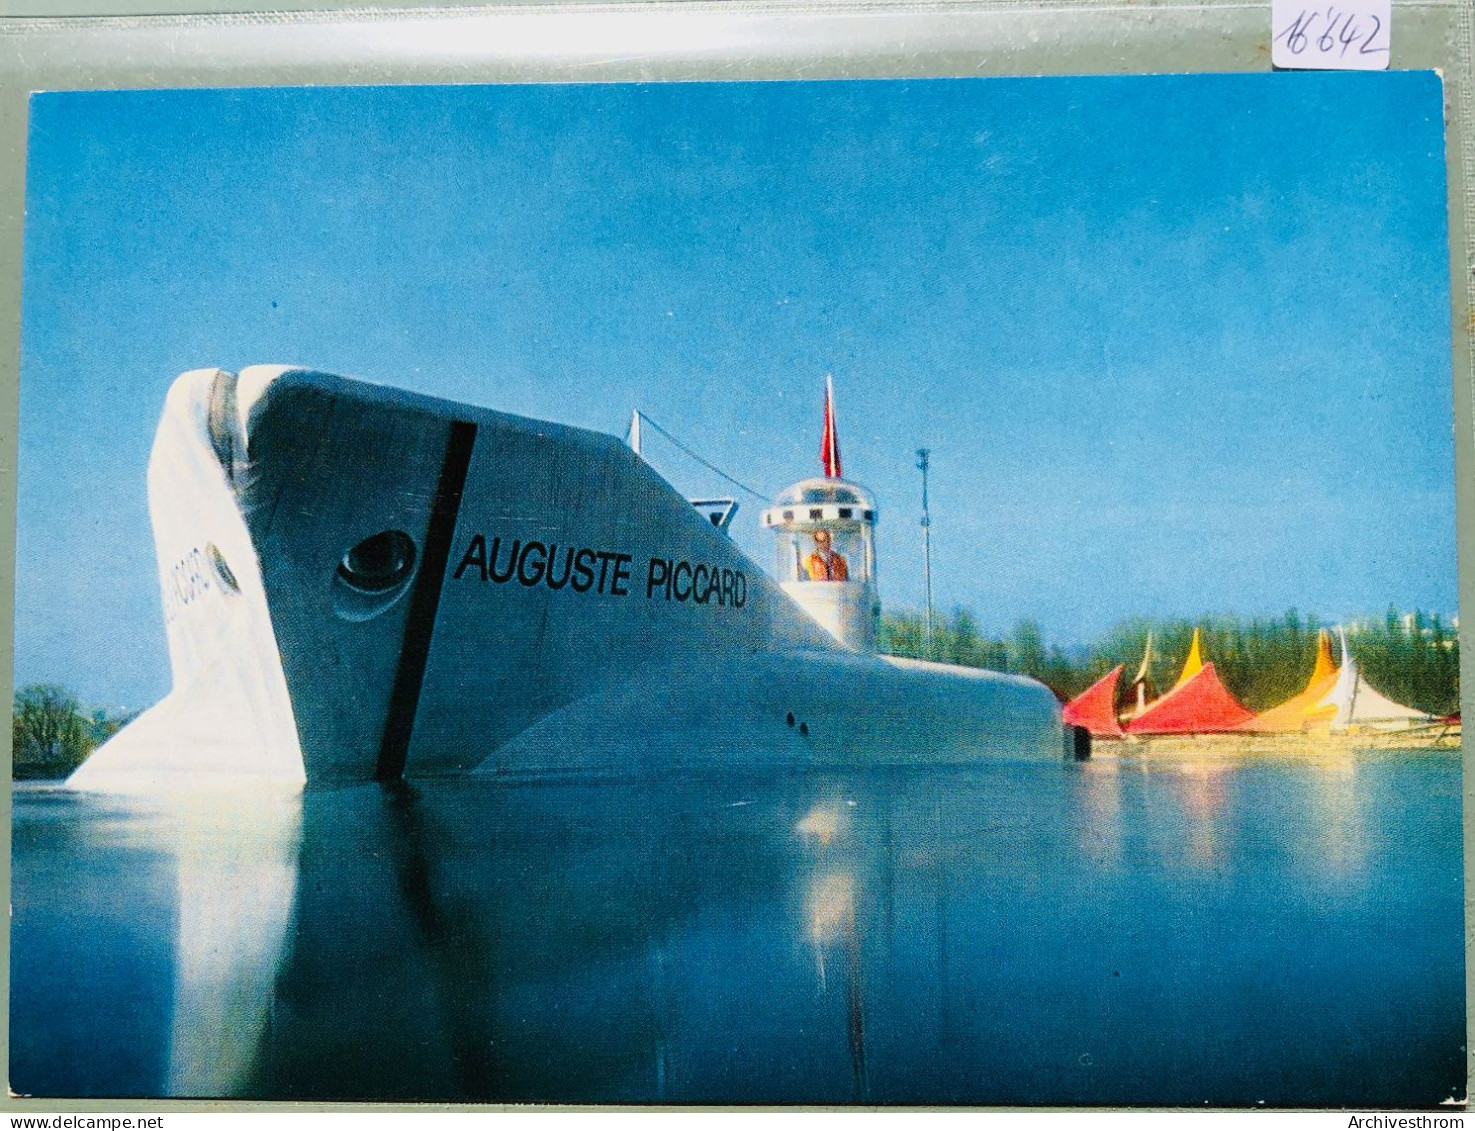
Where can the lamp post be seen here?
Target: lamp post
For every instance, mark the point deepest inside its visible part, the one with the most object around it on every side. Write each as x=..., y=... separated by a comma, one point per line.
x=922, y=464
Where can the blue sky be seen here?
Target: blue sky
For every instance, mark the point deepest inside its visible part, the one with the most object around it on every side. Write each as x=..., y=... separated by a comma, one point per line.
x=1179, y=345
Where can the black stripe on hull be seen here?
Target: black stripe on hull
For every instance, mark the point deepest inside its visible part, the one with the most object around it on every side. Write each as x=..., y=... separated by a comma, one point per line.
x=404, y=701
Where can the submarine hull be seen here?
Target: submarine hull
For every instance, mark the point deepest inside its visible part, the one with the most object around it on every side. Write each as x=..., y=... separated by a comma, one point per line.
x=362, y=583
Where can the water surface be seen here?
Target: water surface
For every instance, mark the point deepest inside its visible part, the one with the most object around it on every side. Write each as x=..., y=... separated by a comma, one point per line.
x=1196, y=930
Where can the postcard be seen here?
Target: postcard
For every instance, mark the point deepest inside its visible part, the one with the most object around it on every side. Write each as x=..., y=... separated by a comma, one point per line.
x=798, y=592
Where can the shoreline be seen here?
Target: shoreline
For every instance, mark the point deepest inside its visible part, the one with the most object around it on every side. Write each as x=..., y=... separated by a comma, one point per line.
x=1440, y=737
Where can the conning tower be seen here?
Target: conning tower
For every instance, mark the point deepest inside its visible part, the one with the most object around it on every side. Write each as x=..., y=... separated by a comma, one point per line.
x=826, y=548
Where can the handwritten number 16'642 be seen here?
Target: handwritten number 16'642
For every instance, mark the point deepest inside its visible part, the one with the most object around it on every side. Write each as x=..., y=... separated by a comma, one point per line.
x=1301, y=33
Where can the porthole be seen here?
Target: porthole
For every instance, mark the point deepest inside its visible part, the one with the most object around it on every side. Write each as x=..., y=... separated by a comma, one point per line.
x=222, y=571
x=379, y=563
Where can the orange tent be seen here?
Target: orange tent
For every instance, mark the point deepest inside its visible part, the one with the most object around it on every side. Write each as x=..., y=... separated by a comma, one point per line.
x=1306, y=709
x=1095, y=708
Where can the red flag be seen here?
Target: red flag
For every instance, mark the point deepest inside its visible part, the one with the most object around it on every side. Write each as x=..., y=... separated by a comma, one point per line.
x=829, y=451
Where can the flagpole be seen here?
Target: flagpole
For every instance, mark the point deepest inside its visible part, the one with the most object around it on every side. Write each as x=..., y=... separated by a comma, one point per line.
x=922, y=464
x=830, y=442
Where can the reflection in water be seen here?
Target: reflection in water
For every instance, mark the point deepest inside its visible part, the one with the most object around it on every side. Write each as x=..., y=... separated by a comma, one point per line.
x=820, y=825
x=1100, y=829
x=156, y=929
x=236, y=861
x=831, y=912
x=831, y=918
x=1189, y=820
x=1013, y=934
x=1202, y=791
x=1338, y=819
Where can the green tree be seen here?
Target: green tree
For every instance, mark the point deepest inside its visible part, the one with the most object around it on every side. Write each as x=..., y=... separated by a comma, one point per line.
x=965, y=643
x=50, y=736
x=1027, y=649
x=902, y=635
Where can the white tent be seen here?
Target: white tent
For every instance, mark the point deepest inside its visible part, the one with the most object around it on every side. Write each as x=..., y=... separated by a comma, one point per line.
x=1359, y=704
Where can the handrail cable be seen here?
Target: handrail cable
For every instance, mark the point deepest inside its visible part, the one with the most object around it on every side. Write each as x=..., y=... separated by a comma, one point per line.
x=709, y=466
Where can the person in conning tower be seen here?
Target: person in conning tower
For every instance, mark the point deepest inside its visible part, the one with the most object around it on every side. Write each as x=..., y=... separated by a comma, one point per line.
x=825, y=564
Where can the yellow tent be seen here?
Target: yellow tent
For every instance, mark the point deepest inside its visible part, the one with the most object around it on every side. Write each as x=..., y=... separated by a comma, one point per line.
x=1194, y=664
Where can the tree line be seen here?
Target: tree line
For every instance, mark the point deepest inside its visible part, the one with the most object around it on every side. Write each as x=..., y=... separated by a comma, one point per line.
x=1263, y=661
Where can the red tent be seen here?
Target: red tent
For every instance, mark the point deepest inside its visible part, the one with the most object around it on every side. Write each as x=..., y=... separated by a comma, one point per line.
x=1095, y=708
x=1197, y=705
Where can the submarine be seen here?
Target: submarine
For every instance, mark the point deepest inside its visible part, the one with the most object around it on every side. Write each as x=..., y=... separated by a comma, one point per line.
x=361, y=583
